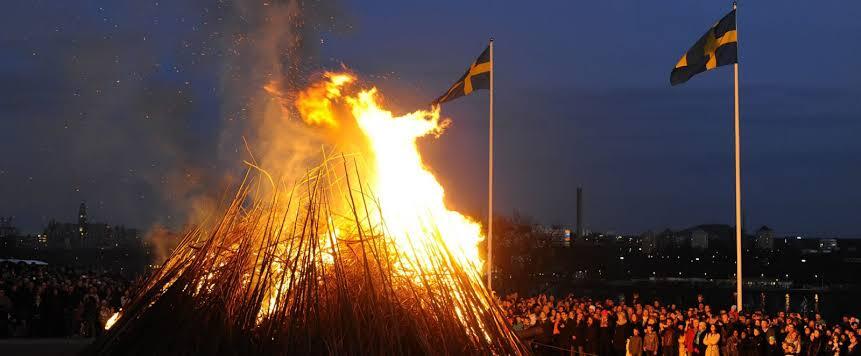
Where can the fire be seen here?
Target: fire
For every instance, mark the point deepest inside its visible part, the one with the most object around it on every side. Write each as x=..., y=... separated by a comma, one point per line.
x=410, y=197
x=315, y=103
x=112, y=320
x=360, y=254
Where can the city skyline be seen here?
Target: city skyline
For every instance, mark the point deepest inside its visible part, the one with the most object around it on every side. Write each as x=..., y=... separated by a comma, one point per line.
x=751, y=231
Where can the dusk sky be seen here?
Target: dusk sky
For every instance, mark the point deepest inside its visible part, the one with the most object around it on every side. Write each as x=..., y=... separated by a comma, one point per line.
x=135, y=107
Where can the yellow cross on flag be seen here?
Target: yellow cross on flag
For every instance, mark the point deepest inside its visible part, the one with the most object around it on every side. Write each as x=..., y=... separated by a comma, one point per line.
x=476, y=77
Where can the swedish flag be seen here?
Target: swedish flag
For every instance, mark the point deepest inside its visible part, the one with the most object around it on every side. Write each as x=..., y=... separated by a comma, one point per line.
x=718, y=47
x=476, y=77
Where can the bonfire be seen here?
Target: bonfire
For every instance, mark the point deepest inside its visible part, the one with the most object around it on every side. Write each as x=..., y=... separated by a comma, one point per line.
x=358, y=256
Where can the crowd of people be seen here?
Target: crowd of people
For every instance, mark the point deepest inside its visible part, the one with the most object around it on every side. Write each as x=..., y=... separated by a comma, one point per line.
x=572, y=325
x=47, y=301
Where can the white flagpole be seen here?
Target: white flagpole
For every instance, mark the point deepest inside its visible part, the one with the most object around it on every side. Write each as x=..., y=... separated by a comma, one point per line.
x=738, y=240
x=490, y=182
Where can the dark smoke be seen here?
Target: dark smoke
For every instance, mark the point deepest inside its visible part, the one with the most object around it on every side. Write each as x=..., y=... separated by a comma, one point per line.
x=138, y=108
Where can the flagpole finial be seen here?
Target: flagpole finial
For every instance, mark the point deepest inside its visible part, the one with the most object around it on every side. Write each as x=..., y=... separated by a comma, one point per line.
x=491, y=39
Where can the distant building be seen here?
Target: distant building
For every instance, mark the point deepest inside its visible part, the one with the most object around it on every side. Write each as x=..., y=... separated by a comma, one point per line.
x=669, y=240
x=86, y=234
x=553, y=235
x=42, y=240
x=676, y=240
x=828, y=245
x=96, y=234
x=82, y=221
x=123, y=236
x=649, y=242
x=707, y=236
x=580, y=222
x=8, y=233
x=699, y=239
x=765, y=238
x=7, y=229
x=62, y=235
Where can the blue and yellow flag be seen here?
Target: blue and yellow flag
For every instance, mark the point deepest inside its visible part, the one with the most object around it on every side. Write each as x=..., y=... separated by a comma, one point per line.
x=718, y=47
x=476, y=77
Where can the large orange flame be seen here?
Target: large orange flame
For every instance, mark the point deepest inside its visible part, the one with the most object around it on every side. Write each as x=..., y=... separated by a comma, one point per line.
x=315, y=103
x=410, y=197
x=279, y=256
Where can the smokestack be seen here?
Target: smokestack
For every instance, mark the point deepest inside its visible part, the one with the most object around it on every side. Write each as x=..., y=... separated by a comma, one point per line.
x=580, y=212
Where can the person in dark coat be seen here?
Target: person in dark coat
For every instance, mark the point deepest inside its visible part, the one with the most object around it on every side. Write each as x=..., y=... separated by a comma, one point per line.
x=579, y=335
x=725, y=330
x=591, y=338
x=757, y=342
x=605, y=337
x=852, y=346
x=621, y=333
x=635, y=343
x=51, y=311
x=699, y=339
x=745, y=346
x=5, y=308
x=562, y=334
x=731, y=346
x=566, y=334
x=91, y=314
x=546, y=336
x=814, y=346
x=669, y=340
x=651, y=341
x=773, y=348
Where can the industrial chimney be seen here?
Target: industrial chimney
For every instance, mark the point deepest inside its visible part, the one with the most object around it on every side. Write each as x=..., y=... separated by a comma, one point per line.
x=579, y=212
